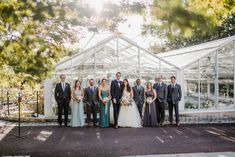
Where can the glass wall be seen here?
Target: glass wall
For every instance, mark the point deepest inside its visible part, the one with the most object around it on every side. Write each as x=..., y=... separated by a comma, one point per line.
x=209, y=82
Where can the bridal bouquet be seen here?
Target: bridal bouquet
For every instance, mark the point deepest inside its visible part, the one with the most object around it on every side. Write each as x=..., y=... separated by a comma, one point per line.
x=149, y=100
x=126, y=101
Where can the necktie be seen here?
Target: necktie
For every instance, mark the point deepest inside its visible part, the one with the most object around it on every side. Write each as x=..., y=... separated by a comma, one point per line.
x=172, y=87
x=158, y=86
x=63, y=86
x=92, y=90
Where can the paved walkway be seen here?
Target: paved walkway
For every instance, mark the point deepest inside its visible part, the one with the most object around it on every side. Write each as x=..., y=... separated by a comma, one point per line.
x=92, y=142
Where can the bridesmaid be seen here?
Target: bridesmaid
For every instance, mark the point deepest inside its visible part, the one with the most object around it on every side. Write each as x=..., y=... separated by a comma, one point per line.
x=104, y=95
x=150, y=116
x=77, y=94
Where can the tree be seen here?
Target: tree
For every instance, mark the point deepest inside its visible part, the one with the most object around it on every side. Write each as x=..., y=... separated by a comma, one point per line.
x=184, y=23
x=35, y=34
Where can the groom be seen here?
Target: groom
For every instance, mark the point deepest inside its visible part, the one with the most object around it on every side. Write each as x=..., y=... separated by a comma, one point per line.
x=116, y=95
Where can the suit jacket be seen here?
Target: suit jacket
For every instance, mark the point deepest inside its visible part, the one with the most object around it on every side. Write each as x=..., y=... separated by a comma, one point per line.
x=91, y=98
x=161, y=91
x=138, y=95
x=61, y=94
x=116, y=90
x=174, y=94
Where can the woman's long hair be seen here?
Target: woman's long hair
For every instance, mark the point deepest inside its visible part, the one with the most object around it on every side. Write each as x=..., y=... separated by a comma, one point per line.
x=76, y=85
x=150, y=85
x=123, y=86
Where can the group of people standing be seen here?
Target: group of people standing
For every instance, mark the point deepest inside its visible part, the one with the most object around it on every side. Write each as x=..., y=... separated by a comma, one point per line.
x=128, y=102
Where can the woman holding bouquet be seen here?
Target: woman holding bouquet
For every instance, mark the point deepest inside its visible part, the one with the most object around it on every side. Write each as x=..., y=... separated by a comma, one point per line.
x=129, y=115
x=104, y=95
x=78, y=119
x=150, y=116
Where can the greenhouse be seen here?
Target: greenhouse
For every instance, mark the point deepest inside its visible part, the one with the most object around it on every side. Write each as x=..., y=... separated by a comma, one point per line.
x=205, y=71
x=208, y=73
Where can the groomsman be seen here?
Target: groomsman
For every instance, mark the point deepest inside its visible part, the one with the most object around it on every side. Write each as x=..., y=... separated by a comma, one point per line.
x=116, y=94
x=174, y=96
x=161, y=89
x=91, y=100
x=62, y=97
x=138, y=92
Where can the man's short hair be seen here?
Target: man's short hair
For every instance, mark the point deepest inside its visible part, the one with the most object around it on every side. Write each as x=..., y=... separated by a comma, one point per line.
x=91, y=80
x=173, y=77
x=159, y=76
x=118, y=73
x=61, y=75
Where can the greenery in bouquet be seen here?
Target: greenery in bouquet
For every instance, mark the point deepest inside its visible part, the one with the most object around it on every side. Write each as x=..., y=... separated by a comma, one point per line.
x=126, y=102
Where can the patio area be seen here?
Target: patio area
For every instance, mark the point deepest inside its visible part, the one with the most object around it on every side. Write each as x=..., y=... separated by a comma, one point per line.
x=91, y=141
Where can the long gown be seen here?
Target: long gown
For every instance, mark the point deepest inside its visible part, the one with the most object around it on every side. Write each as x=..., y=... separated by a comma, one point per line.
x=78, y=119
x=105, y=110
x=129, y=115
x=150, y=116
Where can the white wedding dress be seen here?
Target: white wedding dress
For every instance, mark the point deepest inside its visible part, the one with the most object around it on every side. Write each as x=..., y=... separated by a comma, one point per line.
x=129, y=115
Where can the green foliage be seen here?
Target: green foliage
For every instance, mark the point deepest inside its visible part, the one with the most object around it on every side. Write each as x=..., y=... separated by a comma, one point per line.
x=24, y=48
x=36, y=34
x=184, y=23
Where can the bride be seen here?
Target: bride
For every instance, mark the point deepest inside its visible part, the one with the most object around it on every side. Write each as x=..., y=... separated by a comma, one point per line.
x=128, y=115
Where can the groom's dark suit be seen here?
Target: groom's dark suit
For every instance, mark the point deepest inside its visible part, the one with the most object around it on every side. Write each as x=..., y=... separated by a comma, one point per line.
x=62, y=97
x=116, y=93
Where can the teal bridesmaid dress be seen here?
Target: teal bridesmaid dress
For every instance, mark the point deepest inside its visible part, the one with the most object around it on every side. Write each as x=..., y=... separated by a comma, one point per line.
x=78, y=119
x=104, y=111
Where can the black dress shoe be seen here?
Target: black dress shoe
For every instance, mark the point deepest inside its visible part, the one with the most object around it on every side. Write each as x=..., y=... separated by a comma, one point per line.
x=116, y=127
x=178, y=124
x=60, y=126
x=95, y=124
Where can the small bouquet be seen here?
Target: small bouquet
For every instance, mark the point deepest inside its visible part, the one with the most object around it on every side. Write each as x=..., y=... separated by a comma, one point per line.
x=149, y=100
x=105, y=100
x=78, y=98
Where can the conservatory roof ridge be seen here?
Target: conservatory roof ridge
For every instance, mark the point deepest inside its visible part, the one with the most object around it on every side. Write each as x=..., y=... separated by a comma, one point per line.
x=194, y=48
x=113, y=36
x=186, y=56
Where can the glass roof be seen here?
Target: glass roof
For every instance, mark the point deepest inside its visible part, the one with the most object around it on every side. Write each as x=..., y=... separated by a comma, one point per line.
x=109, y=54
x=188, y=55
x=112, y=54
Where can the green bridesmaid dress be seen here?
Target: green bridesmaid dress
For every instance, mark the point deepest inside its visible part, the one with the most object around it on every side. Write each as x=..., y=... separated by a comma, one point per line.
x=104, y=111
